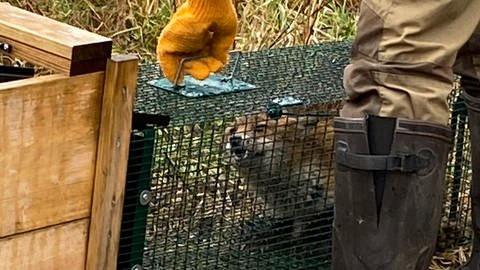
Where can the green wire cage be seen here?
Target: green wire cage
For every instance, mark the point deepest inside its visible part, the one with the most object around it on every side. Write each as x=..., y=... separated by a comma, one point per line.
x=244, y=179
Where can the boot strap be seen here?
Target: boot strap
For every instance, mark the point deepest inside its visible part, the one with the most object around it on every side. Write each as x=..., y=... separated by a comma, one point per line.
x=401, y=163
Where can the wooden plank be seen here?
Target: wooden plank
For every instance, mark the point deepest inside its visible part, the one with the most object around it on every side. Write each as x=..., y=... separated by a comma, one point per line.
x=111, y=169
x=48, y=143
x=52, y=44
x=38, y=56
x=57, y=247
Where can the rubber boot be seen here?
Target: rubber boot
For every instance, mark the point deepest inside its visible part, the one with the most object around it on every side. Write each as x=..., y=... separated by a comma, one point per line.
x=471, y=96
x=389, y=189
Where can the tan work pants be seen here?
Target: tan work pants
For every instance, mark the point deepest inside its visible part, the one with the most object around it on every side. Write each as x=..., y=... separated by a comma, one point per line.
x=404, y=56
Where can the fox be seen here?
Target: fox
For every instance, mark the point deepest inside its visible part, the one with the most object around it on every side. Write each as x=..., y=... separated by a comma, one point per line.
x=286, y=162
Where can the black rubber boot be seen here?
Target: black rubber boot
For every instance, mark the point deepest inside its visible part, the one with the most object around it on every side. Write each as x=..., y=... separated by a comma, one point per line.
x=471, y=96
x=389, y=189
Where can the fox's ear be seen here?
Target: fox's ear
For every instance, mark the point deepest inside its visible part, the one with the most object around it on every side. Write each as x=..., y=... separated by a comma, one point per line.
x=286, y=121
x=306, y=126
x=308, y=120
x=261, y=117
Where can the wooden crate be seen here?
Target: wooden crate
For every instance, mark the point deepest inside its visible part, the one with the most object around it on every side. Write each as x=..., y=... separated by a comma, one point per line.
x=63, y=146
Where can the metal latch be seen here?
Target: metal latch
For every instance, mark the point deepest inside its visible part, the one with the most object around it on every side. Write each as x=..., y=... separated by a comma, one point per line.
x=276, y=106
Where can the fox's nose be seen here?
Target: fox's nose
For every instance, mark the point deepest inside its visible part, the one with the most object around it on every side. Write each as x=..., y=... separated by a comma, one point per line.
x=236, y=141
x=237, y=146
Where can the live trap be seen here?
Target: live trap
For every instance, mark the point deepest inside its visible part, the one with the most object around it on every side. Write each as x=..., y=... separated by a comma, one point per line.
x=243, y=178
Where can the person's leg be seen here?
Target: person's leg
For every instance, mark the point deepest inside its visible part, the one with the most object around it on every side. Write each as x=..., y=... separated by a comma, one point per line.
x=468, y=67
x=391, y=137
x=403, y=55
x=388, y=192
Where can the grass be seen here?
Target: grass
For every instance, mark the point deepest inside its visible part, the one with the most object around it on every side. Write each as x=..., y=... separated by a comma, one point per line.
x=134, y=25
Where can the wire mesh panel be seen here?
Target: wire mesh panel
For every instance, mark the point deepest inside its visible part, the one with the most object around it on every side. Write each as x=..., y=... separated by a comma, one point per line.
x=312, y=74
x=455, y=229
x=244, y=193
x=238, y=184
x=136, y=199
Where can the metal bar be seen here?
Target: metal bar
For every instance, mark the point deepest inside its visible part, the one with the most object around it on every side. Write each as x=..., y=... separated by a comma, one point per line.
x=180, y=69
x=134, y=217
x=10, y=73
x=229, y=78
x=458, y=125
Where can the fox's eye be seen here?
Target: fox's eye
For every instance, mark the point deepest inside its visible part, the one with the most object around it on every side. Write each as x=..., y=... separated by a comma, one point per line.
x=232, y=130
x=260, y=127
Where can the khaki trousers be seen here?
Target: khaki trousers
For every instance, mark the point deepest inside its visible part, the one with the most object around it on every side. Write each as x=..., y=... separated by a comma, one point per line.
x=405, y=55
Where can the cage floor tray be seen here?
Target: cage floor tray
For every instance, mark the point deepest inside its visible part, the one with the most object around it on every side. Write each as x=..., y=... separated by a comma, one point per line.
x=215, y=84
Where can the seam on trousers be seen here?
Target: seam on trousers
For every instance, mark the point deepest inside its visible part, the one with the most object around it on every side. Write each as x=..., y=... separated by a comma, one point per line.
x=370, y=32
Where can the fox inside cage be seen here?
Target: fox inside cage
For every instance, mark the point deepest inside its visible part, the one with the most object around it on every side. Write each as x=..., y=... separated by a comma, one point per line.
x=237, y=183
x=240, y=186
x=252, y=185
x=245, y=180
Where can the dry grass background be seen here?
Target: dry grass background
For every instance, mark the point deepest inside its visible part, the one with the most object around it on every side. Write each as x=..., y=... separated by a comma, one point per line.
x=134, y=26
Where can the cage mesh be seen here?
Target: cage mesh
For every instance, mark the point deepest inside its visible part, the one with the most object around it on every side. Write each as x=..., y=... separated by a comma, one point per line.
x=134, y=218
x=211, y=212
x=311, y=74
x=233, y=188
x=455, y=228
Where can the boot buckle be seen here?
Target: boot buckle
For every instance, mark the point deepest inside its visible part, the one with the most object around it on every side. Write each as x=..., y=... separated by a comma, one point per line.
x=406, y=163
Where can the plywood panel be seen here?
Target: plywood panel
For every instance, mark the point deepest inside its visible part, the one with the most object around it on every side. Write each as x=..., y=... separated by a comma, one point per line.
x=63, y=48
x=49, y=131
x=57, y=247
